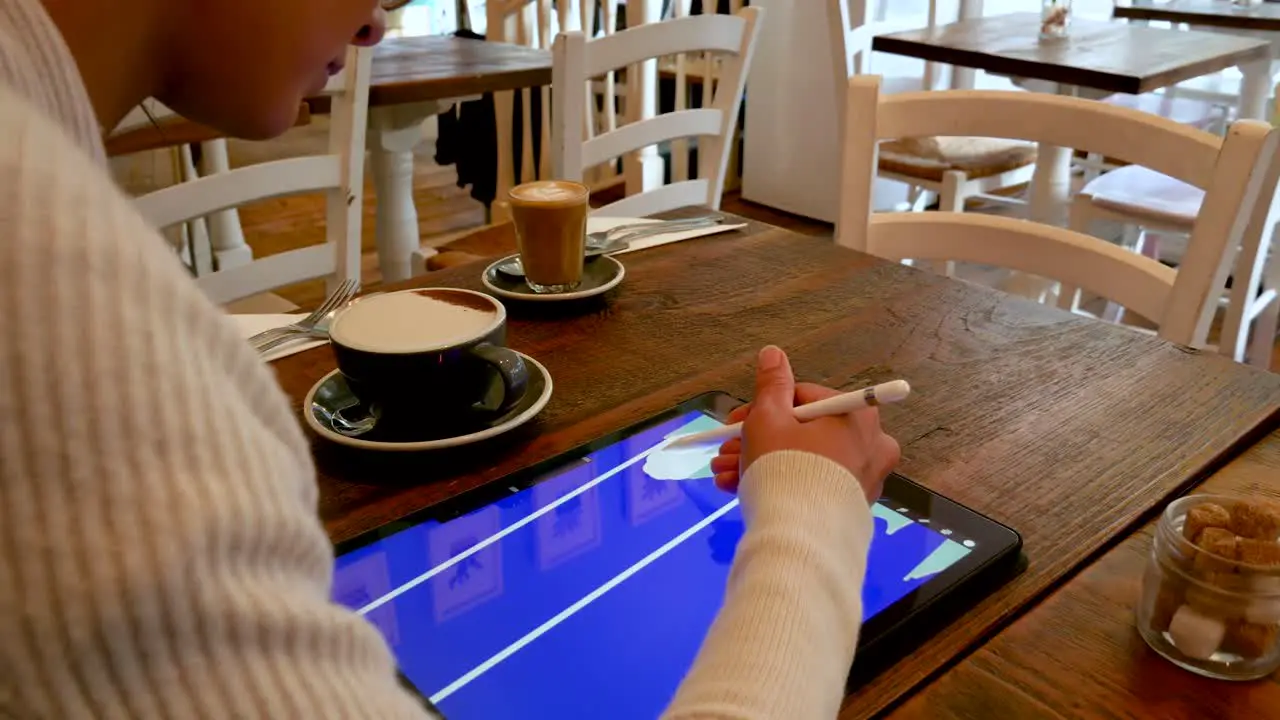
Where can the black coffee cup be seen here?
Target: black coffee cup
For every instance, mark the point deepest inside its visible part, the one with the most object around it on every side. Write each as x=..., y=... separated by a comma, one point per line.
x=433, y=354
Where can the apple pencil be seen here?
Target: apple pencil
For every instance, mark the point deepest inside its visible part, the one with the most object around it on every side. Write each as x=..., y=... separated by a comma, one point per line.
x=890, y=392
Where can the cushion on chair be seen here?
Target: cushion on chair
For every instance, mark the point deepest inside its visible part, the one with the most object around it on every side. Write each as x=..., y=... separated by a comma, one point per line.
x=1145, y=193
x=977, y=157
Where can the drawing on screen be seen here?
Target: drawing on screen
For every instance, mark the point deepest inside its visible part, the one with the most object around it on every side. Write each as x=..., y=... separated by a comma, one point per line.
x=572, y=527
x=475, y=579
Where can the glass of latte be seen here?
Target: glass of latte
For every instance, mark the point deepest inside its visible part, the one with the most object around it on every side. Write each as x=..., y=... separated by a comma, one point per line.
x=550, y=218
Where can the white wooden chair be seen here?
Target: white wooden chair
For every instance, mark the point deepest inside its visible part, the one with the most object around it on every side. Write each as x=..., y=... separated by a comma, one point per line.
x=576, y=60
x=532, y=23
x=339, y=174
x=1239, y=174
x=954, y=169
x=701, y=71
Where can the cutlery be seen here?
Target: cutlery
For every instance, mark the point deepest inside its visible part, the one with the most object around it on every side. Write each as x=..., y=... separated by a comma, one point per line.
x=600, y=243
x=604, y=236
x=317, y=333
x=339, y=298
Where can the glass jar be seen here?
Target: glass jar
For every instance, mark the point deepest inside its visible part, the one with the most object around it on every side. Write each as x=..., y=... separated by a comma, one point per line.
x=1211, y=593
x=1055, y=18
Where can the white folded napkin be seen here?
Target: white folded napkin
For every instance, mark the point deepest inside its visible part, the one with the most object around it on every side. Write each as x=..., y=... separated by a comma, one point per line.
x=600, y=224
x=251, y=325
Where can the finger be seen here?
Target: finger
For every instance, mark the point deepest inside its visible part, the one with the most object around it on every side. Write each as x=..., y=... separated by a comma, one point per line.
x=739, y=413
x=810, y=392
x=733, y=446
x=725, y=463
x=727, y=481
x=775, y=386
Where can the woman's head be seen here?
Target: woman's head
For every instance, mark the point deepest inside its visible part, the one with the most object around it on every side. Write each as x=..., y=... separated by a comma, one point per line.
x=243, y=66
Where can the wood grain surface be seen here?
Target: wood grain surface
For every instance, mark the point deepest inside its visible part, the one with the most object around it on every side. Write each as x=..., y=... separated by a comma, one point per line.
x=1067, y=429
x=1204, y=13
x=1078, y=654
x=418, y=69
x=1108, y=56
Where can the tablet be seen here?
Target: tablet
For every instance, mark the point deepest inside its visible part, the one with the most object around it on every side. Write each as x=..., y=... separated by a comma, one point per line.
x=582, y=587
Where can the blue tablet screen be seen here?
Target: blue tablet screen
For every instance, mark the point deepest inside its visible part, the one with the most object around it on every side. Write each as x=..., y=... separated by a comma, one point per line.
x=587, y=594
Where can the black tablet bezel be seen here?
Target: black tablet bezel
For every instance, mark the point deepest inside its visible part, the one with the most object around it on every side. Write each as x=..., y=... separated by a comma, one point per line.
x=998, y=546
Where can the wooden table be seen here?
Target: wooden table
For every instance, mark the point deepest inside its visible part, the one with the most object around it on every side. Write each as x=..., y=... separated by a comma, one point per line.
x=1034, y=668
x=1203, y=13
x=413, y=79
x=1070, y=430
x=1102, y=56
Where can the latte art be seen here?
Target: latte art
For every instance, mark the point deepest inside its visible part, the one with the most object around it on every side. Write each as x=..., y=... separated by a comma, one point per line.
x=553, y=192
x=415, y=321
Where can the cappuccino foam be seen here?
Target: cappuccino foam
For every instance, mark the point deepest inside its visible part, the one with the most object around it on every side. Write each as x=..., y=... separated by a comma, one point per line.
x=552, y=192
x=413, y=321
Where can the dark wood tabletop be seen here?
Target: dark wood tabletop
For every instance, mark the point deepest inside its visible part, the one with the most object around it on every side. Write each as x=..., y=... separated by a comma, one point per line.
x=1109, y=56
x=1204, y=13
x=422, y=69
x=1069, y=430
x=1088, y=625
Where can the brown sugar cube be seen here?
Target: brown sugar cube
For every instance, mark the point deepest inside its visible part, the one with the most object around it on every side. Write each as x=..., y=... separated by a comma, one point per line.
x=1218, y=551
x=1204, y=516
x=1256, y=519
x=1249, y=640
x=1261, y=553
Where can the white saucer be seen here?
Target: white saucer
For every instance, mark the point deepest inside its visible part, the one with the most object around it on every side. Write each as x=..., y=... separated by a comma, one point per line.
x=331, y=393
x=599, y=276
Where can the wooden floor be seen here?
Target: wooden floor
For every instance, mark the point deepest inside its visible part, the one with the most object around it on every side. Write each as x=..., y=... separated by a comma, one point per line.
x=445, y=211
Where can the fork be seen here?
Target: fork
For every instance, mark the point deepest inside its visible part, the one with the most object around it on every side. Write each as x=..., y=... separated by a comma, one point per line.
x=340, y=297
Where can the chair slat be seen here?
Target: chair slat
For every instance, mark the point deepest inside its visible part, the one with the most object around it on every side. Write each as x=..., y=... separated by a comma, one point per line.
x=188, y=200
x=679, y=124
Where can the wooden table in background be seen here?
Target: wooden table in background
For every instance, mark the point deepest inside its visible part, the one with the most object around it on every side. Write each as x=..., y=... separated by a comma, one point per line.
x=1072, y=431
x=1103, y=56
x=1203, y=13
x=1078, y=654
x=413, y=79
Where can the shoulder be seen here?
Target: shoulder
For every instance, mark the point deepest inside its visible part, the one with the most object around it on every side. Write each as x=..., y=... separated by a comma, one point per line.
x=77, y=257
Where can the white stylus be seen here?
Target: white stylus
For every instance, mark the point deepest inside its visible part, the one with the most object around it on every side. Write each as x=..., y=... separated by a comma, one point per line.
x=890, y=392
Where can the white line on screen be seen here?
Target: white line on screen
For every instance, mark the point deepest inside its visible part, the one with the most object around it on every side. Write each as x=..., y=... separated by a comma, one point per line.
x=591, y=597
x=411, y=584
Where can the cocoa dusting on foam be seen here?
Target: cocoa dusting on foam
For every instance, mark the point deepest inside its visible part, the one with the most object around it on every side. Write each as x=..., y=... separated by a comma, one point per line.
x=457, y=299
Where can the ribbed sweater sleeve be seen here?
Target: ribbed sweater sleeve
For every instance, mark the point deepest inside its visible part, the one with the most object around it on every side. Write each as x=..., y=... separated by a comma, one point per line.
x=160, y=550
x=782, y=645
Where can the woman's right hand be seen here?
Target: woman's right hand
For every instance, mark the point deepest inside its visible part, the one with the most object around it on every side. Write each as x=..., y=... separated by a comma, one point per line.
x=855, y=441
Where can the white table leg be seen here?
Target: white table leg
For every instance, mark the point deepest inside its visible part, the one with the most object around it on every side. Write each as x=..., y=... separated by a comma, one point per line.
x=1050, y=193
x=963, y=78
x=394, y=132
x=1255, y=89
x=225, y=233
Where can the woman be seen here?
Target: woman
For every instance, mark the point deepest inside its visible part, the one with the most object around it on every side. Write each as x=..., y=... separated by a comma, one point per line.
x=160, y=553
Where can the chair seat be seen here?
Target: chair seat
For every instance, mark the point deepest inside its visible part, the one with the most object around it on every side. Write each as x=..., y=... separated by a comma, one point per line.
x=1200, y=114
x=1145, y=193
x=977, y=157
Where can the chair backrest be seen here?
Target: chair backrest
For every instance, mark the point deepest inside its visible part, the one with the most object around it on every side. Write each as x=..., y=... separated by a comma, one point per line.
x=577, y=59
x=339, y=173
x=1237, y=174
x=688, y=70
x=851, y=36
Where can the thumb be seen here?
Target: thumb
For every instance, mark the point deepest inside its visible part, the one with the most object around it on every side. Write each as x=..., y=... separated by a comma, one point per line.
x=775, y=385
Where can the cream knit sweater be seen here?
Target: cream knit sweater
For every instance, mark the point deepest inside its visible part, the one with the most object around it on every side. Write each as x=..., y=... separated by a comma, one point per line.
x=160, y=552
